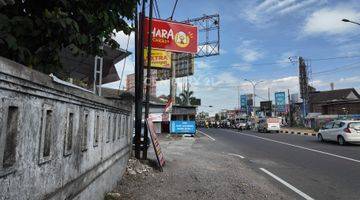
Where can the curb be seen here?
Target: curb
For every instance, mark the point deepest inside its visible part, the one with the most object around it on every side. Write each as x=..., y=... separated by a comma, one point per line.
x=297, y=132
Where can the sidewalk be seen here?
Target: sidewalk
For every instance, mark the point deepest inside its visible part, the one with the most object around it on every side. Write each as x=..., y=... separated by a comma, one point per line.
x=298, y=131
x=194, y=171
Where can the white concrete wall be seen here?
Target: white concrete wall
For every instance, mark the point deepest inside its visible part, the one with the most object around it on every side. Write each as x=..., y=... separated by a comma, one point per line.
x=77, y=174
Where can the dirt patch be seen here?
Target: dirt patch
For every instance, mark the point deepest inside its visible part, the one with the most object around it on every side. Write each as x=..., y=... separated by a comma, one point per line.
x=193, y=171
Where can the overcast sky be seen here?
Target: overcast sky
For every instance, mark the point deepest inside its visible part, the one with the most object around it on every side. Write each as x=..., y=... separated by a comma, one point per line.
x=254, y=33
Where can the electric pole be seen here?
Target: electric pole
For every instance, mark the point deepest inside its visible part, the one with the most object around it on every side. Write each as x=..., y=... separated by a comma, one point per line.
x=290, y=109
x=254, y=84
x=148, y=79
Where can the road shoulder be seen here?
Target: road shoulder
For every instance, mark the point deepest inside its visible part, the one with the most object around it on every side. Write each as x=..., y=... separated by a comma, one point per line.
x=193, y=171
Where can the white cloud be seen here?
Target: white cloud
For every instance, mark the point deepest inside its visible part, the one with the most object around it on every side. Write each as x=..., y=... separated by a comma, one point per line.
x=263, y=14
x=203, y=63
x=248, y=51
x=242, y=67
x=300, y=5
x=328, y=21
x=127, y=65
x=125, y=40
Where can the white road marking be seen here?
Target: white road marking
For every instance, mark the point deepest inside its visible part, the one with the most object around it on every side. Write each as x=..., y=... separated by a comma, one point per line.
x=237, y=155
x=207, y=135
x=305, y=196
x=305, y=148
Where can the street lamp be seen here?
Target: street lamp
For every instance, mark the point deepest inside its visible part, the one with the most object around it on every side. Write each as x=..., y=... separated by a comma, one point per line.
x=254, y=84
x=349, y=21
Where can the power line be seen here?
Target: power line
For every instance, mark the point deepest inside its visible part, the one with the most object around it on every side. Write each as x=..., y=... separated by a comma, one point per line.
x=345, y=67
x=173, y=11
x=311, y=59
x=157, y=9
x=333, y=58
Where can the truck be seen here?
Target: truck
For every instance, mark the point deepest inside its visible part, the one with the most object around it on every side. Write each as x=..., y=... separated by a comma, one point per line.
x=269, y=124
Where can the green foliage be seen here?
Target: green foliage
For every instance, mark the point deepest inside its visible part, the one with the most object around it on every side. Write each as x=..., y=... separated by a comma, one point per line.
x=185, y=97
x=34, y=32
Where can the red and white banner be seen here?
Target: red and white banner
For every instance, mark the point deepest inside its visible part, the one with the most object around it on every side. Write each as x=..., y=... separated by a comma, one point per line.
x=172, y=36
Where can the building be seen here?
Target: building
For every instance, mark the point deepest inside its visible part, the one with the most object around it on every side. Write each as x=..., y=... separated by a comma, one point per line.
x=130, y=83
x=335, y=102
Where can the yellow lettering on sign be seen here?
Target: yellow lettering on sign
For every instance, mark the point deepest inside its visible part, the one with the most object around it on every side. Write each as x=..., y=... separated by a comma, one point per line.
x=159, y=59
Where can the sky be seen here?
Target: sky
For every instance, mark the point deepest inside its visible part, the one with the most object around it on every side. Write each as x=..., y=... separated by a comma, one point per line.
x=256, y=40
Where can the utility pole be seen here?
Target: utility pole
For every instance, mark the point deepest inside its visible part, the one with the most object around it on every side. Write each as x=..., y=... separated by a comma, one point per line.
x=268, y=94
x=254, y=84
x=172, y=79
x=238, y=99
x=138, y=84
x=148, y=79
x=290, y=109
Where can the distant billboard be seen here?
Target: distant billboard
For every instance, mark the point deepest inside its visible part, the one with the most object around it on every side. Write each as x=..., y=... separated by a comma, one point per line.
x=184, y=66
x=159, y=59
x=266, y=107
x=280, y=101
x=243, y=102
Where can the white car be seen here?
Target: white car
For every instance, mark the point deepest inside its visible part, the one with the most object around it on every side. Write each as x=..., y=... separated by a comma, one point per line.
x=341, y=131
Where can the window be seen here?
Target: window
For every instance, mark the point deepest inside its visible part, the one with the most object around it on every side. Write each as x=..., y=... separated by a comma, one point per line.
x=114, y=127
x=69, y=132
x=108, y=129
x=96, y=130
x=8, y=140
x=85, y=131
x=329, y=125
x=125, y=124
x=338, y=124
x=46, y=134
x=120, y=127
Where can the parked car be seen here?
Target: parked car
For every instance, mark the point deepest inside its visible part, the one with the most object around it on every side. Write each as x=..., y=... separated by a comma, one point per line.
x=242, y=125
x=341, y=131
x=269, y=124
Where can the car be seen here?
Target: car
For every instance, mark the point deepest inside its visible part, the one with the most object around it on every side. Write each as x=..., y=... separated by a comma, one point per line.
x=242, y=124
x=269, y=124
x=341, y=131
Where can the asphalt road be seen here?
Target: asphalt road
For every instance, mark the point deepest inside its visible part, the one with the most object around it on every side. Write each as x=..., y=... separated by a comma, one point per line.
x=298, y=164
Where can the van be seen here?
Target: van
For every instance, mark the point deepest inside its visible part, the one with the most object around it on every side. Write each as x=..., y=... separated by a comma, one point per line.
x=269, y=124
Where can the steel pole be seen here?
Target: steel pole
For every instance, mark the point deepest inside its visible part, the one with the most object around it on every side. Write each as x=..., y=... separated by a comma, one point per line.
x=148, y=77
x=138, y=108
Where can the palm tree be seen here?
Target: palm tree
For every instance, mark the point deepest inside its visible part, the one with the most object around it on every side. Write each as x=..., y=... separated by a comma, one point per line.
x=186, y=97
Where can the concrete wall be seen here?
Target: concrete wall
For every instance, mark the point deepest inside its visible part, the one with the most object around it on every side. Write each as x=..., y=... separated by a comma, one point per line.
x=56, y=142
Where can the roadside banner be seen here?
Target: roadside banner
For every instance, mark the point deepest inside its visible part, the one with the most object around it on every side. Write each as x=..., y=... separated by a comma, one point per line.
x=155, y=142
x=280, y=101
x=172, y=36
x=159, y=59
x=243, y=102
x=183, y=127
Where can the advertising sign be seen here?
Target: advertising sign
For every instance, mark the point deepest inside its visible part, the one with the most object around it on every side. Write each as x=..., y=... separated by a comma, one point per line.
x=280, y=101
x=183, y=127
x=183, y=63
x=172, y=36
x=266, y=108
x=159, y=59
x=155, y=142
x=243, y=102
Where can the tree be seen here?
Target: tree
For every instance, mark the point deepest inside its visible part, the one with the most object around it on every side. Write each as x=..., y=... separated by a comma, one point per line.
x=34, y=32
x=185, y=97
x=217, y=117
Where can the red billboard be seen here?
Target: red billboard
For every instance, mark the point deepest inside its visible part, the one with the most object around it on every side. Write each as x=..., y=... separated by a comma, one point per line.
x=172, y=36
